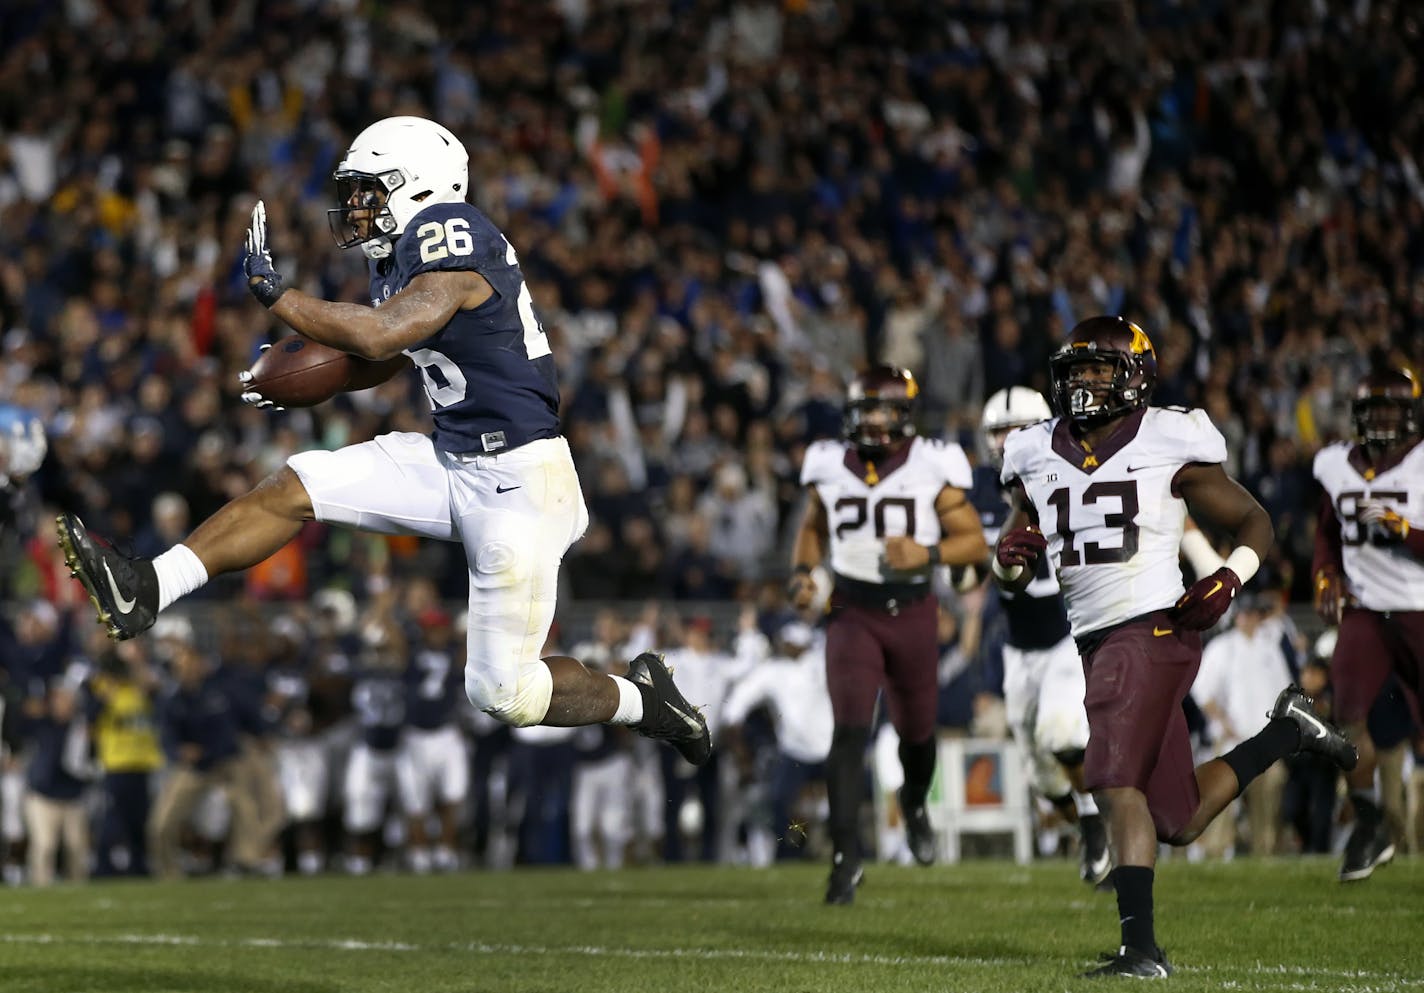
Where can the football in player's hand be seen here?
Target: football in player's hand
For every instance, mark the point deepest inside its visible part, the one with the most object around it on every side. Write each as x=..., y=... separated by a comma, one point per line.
x=298, y=372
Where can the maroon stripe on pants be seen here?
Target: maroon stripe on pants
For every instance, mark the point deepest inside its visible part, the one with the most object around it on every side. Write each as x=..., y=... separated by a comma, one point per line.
x=867, y=648
x=1371, y=645
x=1138, y=734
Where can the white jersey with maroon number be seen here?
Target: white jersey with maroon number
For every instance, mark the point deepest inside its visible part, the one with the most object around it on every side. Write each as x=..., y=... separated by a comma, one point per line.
x=1112, y=522
x=862, y=514
x=1380, y=576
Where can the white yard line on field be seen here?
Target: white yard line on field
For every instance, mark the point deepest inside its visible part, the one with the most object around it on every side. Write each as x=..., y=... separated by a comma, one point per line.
x=1366, y=980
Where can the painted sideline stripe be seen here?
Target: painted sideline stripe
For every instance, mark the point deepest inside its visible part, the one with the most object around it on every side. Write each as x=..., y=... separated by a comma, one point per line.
x=760, y=955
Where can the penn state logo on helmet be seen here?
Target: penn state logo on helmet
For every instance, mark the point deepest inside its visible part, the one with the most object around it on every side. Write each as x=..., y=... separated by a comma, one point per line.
x=1015, y=407
x=879, y=410
x=1081, y=390
x=1387, y=409
x=393, y=170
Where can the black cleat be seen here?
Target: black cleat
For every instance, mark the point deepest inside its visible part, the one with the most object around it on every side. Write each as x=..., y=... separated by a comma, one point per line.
x=1131, y=962
x=667, y=716
x=1370, y=845
x=918, y=831
x=1094, y=858
x=845, y=877
x=124, y=590
x=1316, y=735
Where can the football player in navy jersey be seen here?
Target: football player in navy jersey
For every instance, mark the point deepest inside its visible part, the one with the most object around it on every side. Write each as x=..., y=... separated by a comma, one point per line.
x=1043, y=678
x=449, y=298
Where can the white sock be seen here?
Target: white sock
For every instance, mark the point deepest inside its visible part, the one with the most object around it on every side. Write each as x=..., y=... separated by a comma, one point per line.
x=1086, y=805
x=630, y=702
x=180, y=572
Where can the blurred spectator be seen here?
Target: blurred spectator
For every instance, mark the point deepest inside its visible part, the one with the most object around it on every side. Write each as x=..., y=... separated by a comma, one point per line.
x=59, y=769
x=200, y=741
x=120, y=700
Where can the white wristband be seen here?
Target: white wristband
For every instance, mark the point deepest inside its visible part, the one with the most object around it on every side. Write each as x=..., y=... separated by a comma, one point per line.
x=1008, y=575
x=1244, y=562
x=1203, y=558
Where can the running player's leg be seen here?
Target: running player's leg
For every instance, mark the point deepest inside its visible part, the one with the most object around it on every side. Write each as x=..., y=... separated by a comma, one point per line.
x=855, y=668
x=911, y=645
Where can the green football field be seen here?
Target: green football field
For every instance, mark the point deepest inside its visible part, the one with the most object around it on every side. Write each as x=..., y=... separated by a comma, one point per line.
x=990, y=926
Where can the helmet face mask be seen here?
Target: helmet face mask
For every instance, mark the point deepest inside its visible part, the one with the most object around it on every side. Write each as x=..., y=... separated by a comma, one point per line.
x=364, y=213
x=879, y=412
x=1387, y=411
x=393, y=170
x=1106, y=368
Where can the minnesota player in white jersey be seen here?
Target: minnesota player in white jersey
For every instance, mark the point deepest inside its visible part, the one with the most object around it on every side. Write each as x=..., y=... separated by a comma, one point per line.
x=1111, y=481
x=888, y=506
x=1369, y=579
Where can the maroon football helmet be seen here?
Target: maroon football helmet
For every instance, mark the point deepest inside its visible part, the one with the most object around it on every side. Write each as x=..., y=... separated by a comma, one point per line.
x=1117, y=342
x=1387, y=409
x=879, y=407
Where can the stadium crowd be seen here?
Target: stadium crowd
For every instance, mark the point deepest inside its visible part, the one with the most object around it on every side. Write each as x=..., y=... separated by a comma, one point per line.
x=722, y=209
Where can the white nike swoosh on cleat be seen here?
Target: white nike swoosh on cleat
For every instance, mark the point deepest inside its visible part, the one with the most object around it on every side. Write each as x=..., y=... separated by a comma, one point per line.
x=692, y=722
x=1319, y=729
x=124, y=605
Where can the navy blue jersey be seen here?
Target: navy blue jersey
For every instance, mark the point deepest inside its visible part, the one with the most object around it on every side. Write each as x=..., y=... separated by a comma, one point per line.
x=1036, y=618
x=378, y=697
x=201, y=716
x=489, y=372
x=434, y=688
x=48, y=773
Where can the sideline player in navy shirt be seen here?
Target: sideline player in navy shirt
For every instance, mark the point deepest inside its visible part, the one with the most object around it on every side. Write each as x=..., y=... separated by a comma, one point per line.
x=449, y=298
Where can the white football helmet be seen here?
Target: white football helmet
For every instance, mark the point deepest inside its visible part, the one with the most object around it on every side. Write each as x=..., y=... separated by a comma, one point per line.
x=1009, y=409
x=407, y=162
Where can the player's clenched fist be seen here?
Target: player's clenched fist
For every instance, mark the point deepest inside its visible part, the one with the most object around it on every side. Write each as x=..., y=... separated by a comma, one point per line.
x=1329, y=595
x=1384, y=523
x=1019, y=549
x=1209, y=598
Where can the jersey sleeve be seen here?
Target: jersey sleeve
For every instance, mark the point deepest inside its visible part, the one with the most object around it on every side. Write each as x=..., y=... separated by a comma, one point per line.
x=1320, y=465
x=1013, y=468
x=448, y=237
x=1194, y=438
x=955, y=466
x=819, y=458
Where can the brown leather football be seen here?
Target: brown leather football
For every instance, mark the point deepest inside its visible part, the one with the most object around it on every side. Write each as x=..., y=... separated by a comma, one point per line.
x=298, y=372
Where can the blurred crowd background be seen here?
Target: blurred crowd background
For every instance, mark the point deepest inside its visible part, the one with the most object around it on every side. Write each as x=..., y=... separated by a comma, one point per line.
x=723, y=209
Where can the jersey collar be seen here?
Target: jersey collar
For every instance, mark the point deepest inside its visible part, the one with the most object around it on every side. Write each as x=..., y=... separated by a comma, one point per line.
x=1361, y=463
x=1073, y=451
x=883, y=468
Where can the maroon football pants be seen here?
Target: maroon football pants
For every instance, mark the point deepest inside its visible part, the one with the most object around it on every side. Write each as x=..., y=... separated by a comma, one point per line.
x=868, y=648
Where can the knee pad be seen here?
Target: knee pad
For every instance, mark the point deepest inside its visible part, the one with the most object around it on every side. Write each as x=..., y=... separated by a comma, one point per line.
x=521, y=704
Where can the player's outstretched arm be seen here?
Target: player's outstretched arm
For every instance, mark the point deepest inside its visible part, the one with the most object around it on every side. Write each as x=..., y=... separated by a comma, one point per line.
x=377, y=333
x=1215, y=498
x=808, y=551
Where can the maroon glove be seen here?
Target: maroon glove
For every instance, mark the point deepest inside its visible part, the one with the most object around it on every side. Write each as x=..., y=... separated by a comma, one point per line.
x=1021, y=546
x=1209, y=598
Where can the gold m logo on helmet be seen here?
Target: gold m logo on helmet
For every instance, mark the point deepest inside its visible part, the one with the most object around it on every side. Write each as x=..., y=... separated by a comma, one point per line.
x=1141, y=344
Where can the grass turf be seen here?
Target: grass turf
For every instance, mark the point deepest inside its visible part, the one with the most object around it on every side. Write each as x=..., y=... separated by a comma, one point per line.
x=980, y=926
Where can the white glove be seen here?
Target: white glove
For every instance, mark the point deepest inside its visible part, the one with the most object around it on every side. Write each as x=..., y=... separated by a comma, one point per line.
x=251, y=397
